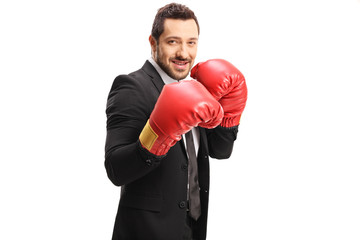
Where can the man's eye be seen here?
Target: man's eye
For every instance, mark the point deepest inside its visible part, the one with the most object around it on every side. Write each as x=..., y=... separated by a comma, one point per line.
x=172, y=42
x=192, y=43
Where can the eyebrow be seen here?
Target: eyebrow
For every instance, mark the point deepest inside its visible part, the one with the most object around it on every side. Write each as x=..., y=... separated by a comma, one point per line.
x=175, y=37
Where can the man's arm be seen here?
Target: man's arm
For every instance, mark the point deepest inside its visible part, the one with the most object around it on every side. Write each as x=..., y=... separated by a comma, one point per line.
x=221, y=141
x=127, y=112
x=180, y=107
x=227, y=84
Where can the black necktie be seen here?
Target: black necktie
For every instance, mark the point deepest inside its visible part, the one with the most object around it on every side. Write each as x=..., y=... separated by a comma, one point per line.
x=194, y=193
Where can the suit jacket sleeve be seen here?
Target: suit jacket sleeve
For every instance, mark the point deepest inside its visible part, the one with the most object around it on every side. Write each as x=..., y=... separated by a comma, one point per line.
x=128, y=108
x=221, y=141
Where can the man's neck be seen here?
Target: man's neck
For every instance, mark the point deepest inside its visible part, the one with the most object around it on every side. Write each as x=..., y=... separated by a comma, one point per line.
x=166, y=78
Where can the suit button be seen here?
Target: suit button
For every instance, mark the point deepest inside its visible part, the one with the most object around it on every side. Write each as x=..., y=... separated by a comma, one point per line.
x=148, y=162
x=184, y=167
x=182, y=204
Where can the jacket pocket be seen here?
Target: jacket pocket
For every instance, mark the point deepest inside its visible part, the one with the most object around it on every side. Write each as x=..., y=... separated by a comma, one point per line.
x=144, y=202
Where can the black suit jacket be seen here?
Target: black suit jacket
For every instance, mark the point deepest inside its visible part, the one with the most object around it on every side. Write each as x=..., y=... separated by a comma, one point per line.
x=153, y=189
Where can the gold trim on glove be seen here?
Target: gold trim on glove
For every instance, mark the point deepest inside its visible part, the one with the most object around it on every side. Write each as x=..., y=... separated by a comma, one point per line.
x=148, y=136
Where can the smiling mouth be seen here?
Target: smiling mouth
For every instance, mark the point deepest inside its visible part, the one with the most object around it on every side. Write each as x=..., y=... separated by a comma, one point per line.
x=180, y=64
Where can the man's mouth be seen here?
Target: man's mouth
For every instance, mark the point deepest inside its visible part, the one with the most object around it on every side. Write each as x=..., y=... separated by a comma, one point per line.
x=180, y=64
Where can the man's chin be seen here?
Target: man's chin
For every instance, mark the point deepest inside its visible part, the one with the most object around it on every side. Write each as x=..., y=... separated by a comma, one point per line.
x=178, y=78
x=180, y=75
x=177, y=74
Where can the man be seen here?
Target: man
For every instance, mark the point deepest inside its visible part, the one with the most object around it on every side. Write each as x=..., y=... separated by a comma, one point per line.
x=165, y=186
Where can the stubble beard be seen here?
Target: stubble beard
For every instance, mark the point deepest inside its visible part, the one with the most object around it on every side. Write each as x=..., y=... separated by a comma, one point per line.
x=168, y=70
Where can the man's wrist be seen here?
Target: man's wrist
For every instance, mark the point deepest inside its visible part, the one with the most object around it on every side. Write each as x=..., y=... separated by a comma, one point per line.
x=229, y=122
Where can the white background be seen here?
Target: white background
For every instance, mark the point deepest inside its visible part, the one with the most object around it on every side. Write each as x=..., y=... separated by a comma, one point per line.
x=294, y=172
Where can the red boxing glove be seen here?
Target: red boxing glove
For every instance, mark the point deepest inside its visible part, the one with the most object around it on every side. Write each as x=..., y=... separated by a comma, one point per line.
x=180, y=107
x=227, y=84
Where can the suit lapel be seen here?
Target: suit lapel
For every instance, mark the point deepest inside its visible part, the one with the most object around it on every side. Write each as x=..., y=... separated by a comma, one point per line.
x=154, y=75
x=203, y=141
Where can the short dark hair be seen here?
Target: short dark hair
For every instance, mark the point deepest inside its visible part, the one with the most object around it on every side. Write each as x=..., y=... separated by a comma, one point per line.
x=173, y=11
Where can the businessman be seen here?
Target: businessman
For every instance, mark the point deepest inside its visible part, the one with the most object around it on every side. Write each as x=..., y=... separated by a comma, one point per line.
x=162, y=128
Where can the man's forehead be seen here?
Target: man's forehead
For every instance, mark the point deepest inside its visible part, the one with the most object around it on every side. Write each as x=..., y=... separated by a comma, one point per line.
x=180, y=28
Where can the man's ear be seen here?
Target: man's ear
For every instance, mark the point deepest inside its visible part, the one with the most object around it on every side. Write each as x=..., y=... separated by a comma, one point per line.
x=152, y=44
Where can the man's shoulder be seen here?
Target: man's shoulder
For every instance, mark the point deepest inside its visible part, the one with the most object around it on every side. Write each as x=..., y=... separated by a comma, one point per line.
x=147, y=70
x=140, y=77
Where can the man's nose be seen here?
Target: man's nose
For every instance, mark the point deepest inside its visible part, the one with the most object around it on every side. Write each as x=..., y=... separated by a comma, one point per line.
x=182, y=52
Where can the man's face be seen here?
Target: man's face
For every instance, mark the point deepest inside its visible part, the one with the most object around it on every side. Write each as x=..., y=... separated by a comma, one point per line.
x=176, y=48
